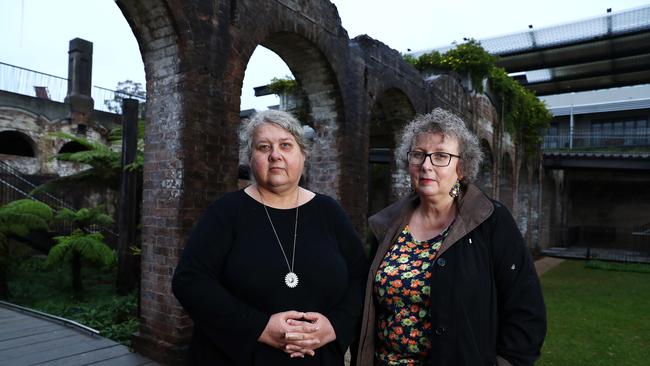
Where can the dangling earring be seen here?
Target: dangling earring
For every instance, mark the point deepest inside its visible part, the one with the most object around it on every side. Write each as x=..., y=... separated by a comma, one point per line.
x=455, y=189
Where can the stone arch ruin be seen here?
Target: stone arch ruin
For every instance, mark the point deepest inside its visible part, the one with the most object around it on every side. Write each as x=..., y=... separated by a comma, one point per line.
x=195, y=54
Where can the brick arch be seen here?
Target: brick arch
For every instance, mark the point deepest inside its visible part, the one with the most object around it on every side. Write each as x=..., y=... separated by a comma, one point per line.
x=391, y=111
x=17, y=143
x=195, y=55
x=506, y=181
x=72, y=147
x=523, y=203
x=314, y=75
x=161, y=32
x=485, y=179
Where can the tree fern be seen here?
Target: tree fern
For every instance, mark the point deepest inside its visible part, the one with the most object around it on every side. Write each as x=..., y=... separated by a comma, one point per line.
x=91, y=247
x=85, y=217
x=80, y=244
x=104, y=161
x=22, y=216
x=18, y=218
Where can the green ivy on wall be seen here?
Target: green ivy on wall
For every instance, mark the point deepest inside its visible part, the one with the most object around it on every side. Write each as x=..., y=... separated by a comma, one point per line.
x=284, y=85
x=525, y=116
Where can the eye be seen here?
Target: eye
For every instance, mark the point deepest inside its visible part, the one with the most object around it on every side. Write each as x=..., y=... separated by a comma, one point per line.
x=263, y=147
x=440, y=156
x=417, y=154
x=286, y=145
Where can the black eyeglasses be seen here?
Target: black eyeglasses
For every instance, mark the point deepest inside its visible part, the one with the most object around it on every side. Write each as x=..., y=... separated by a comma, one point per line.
x=437, y=158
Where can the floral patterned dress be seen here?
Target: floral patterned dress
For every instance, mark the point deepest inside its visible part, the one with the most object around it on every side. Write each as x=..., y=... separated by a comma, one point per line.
x=402, y=292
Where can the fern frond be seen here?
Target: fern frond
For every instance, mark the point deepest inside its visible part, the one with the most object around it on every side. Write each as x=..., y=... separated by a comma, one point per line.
x=22, y=216
x=91, y=247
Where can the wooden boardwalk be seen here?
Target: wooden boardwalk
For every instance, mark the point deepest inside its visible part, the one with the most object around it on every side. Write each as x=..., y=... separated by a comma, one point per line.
x=30, y=339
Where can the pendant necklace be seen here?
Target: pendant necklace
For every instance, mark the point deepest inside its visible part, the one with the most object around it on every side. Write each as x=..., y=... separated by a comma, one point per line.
x=291, y=278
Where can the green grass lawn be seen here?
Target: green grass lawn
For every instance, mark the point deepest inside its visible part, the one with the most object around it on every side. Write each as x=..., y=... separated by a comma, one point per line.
x=596, y=317
x=33, y=285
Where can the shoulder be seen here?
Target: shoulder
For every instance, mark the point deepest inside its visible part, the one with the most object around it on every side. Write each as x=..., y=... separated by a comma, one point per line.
x=500, y=211
x=325, y=203
x=228, y=203
x=380, y=221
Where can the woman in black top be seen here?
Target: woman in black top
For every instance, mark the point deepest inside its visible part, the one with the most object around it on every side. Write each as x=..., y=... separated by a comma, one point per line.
x=272, y=274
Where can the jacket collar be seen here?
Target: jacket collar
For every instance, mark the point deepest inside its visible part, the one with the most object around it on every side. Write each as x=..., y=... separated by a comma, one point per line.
x=474, y=207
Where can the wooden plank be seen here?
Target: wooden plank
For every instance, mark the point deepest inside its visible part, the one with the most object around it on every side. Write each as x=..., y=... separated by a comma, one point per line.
x=55, y=333
x=29, y=340
x=132, y=359
x=7, y=315
x=25, y=324
x=45, y=345
x=44, y=328
x=65, y=347
x=90, y=357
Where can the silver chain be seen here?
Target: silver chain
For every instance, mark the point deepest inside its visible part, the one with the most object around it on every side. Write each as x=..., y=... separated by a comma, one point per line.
x=295, y=229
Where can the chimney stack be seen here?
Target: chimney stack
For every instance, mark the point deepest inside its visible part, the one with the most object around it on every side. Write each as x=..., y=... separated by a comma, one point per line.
x=80, y=69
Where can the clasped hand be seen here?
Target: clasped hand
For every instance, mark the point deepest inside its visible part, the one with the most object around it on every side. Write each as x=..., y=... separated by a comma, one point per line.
x=298, y=333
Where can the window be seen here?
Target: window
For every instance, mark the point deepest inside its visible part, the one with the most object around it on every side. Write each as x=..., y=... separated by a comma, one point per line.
x=628, y=132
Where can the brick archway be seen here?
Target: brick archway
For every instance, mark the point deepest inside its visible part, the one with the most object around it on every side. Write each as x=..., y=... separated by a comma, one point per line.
x=391, y=111
x=195, y=55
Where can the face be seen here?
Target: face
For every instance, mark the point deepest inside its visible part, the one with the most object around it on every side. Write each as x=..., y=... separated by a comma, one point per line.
x=431, y=181
x=277, y=160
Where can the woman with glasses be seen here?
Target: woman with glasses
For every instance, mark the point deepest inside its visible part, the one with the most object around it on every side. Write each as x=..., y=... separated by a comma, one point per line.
x=452, y=282
x=272, y=274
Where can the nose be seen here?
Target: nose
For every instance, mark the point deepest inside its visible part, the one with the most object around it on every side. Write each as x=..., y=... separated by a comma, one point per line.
x=427, y=164
x=275, y=154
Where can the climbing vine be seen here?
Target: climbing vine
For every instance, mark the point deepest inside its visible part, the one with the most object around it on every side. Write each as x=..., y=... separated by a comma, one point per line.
x=525, y=116
x=284, y=85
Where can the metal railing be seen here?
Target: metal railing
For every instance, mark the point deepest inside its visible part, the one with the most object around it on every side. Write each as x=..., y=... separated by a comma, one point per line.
x=14, y=186
x=589, y=139
x=24, y=81
x=607, y=243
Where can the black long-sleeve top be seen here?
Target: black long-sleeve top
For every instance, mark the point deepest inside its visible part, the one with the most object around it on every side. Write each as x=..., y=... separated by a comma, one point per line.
x=230, y=278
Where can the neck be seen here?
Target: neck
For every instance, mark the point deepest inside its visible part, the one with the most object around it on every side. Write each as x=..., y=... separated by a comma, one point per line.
x=437, y=213
x=287, y=198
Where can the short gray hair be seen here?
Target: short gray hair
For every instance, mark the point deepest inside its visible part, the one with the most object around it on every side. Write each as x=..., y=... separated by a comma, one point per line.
x=443, y=122
x=280, y=118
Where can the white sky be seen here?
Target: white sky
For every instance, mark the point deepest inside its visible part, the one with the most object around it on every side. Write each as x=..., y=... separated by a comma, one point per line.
x=34, y=34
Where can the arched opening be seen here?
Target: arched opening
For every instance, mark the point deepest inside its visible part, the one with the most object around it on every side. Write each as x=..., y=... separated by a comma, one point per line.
x=506, y=182
x=485, y=174
x=391, y=111
x=72, y=147
x=318, y=106
x=523, y=200
x=16, y=143
x=259, y=93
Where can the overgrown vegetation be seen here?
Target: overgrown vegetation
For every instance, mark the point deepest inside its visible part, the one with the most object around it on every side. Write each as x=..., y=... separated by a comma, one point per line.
x=286, y=85
x=48, y=289
x=81, y=244
x=524, y=115
x=18, y=218
x=596, y=317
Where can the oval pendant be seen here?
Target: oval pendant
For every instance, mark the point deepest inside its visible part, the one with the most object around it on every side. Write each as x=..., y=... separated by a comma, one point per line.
x=291, y=279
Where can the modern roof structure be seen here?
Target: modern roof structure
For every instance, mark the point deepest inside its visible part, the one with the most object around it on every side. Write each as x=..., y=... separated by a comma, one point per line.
x=602, y=52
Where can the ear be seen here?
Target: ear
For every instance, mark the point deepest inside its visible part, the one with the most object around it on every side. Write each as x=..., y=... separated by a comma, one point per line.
x=459, y=171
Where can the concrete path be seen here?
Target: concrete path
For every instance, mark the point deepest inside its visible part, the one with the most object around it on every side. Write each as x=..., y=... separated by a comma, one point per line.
x=544, y=264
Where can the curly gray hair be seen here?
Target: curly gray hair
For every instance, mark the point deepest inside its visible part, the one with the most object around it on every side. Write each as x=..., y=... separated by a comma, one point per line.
x=280, y=118
x=443, y=122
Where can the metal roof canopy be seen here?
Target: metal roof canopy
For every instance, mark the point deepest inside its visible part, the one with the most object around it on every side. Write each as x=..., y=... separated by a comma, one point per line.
x=597, y=53
x=603, y=52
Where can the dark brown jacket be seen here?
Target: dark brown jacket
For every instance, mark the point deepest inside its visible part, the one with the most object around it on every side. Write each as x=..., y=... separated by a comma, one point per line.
x=486, y=302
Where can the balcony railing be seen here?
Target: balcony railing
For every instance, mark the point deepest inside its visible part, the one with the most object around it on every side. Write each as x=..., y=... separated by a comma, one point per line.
x=24, y=81
x=589, y=140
